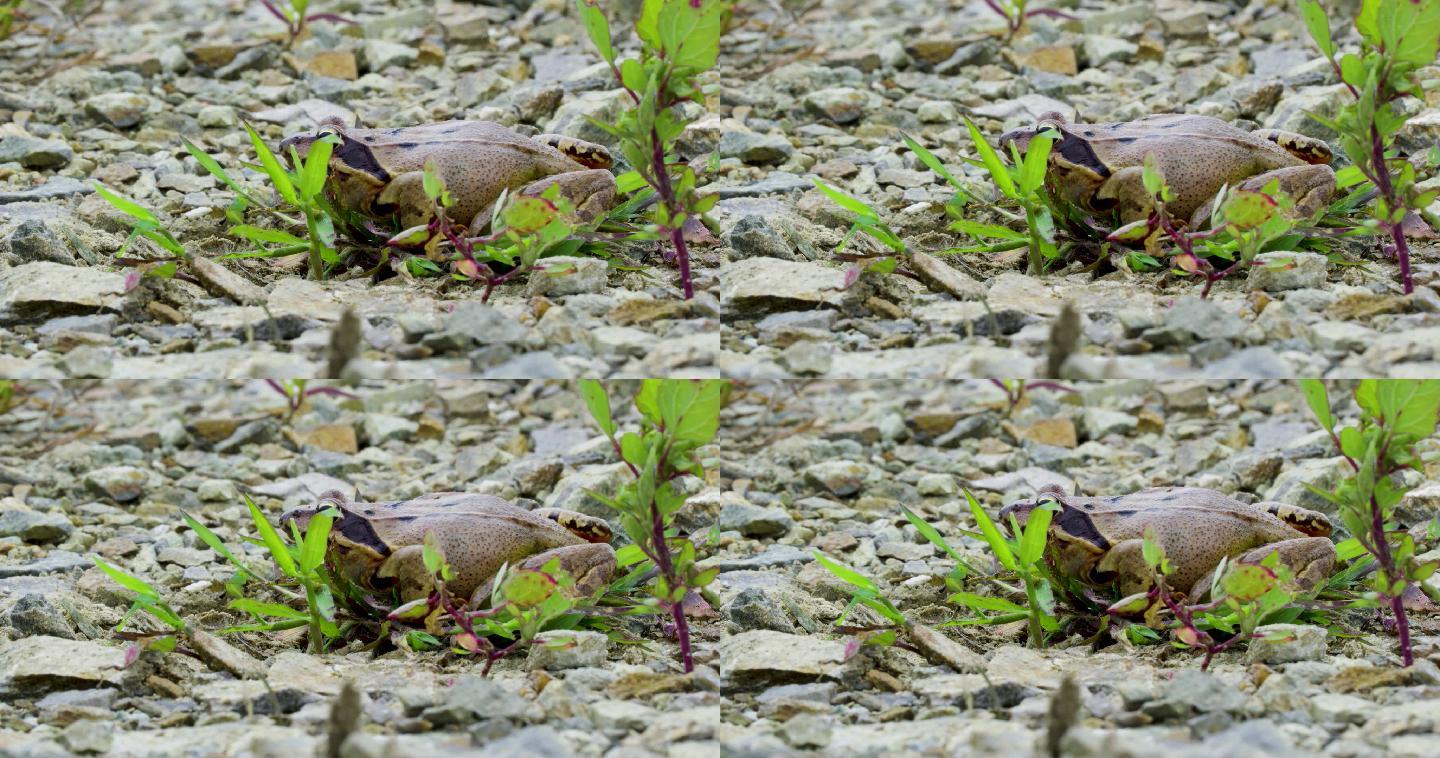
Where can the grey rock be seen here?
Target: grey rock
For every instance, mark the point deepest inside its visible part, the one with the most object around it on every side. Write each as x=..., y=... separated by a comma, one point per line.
x=472, y=321
x=121, y=110
x=531, y=742
x=937, y=485
x=55, y=561
x=33, y=666
x=380, y=54
x=88, y=362
x=119, y=483
x=764, y=657
x=568, y=649
x=257, y=58
x=380, y=428
x=35, y=153
x=89, y=736
x=45, y=288
x=755, y=521
x=843, y=105
x=473, y=697
x=942, y=277
x=33, y=240
x=564, y=275
x=839, y=478
x=754, y=236
x=1099, y=422
x=34, y=615
x=775, y=181
x=1251, y=363
x=769, y=284
x=775, y=555
x=808, y=357
x=55, y=186
x=1100, y=50
x=755, y=149
x=35, y=526
x=753, y=608
x=1287, y=643
x=1283, y=270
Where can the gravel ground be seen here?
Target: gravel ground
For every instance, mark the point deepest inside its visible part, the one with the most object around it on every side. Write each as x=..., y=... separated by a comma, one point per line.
x=101, y=469
x=827, y=465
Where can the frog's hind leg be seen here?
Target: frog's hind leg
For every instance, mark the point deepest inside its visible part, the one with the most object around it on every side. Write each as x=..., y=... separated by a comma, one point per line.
x=1311, y=187
x=406, y=193
x=587, y=154
x=1124, y=192
x=592, y=192
x=1305, y=148
x=591, y=565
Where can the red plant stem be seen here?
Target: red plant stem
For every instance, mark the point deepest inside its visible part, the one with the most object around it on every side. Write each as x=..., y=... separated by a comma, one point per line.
x=667, y=568
x=1387, y=565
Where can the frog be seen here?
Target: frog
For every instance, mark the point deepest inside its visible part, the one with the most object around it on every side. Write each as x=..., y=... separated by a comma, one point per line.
x=1098, y=167
x=1098, y=540
x=379, y=173
x=379, y=546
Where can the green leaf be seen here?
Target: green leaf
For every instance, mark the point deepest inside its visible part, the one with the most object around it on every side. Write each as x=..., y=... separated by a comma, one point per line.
x=1319, y=402
x=932, y=534
x=849, y=575
x=278, y=551
x=597, y=401
x=317, y=164
x=214, y=167
x=847, y=202
x=128, y=580
x=276, y=610
x=998, y=171
x=262, y=235
x=987, y=603
x=929, y=159
x=278, y=176
x=980, y=230
x=597, y=27
x=992, y=535
x=527, y=215
x=209, y=538
x=125, y=205
x=317, y=536
x=1037, y=157
x=527, y=589
x=1318, y=25
x=1032, y=543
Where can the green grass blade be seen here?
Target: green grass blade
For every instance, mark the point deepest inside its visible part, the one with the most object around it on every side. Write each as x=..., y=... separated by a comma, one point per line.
x=126, y=205
x=209, y=538
x=277, y=173
x=846, y=573
x=278, y=551
x=128, y=580
x=992, y=534
x=317, y=535
x=999, y=173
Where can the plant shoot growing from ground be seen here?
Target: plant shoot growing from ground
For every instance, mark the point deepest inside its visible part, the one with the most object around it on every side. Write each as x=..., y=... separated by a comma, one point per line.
x=296, y=16
x=1014, y=12
x=1397, y=38
x=680, y=39
x=677, y=418
x=1395, y=414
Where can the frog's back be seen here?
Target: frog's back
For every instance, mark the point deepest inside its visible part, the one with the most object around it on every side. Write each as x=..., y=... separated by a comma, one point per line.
x=408, y=148
x=1188, y=144
x=1191, y=511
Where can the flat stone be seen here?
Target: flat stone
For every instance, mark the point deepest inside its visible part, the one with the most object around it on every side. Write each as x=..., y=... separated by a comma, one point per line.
x=34, y=152
x=568, y=649
x=764, y=656
x=942, y=277
x=221, y=281
x=1287, y=643
x=32, y=666
x=35, y=526
x=755, y=521
x=121, y=110
x=769, y=284
x=45, y=288
x=1280, y=270
x=565, y=275
x=55, y=186
x=119, y=483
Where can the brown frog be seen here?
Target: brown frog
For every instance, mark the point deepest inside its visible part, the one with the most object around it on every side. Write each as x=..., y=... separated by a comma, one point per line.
x=379, y=546
x=379, y=172
x=1097, y=167
x=1098, y=540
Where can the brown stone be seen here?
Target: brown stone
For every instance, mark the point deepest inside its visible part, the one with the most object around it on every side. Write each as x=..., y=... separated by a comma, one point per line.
x=1056, y=59
x=337, y=438
x=336, y=64
x=940, y=276
x=1059, y=432
x=1365, y=304
x=934, y=424
x=642, y=311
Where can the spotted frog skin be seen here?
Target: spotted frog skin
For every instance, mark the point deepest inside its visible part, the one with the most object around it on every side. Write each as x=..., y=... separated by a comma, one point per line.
x=379, y=172
x=1098, y=167
x=379, y=546
x=1098, y=540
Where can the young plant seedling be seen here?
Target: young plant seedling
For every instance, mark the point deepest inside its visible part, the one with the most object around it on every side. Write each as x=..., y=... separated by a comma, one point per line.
x=145, y=224
x=295, y=15
x=1015, y=13
x=1396, y=414
x=678, y=416
x=1397, y=39
x=680, y=40
x=1022, y=182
